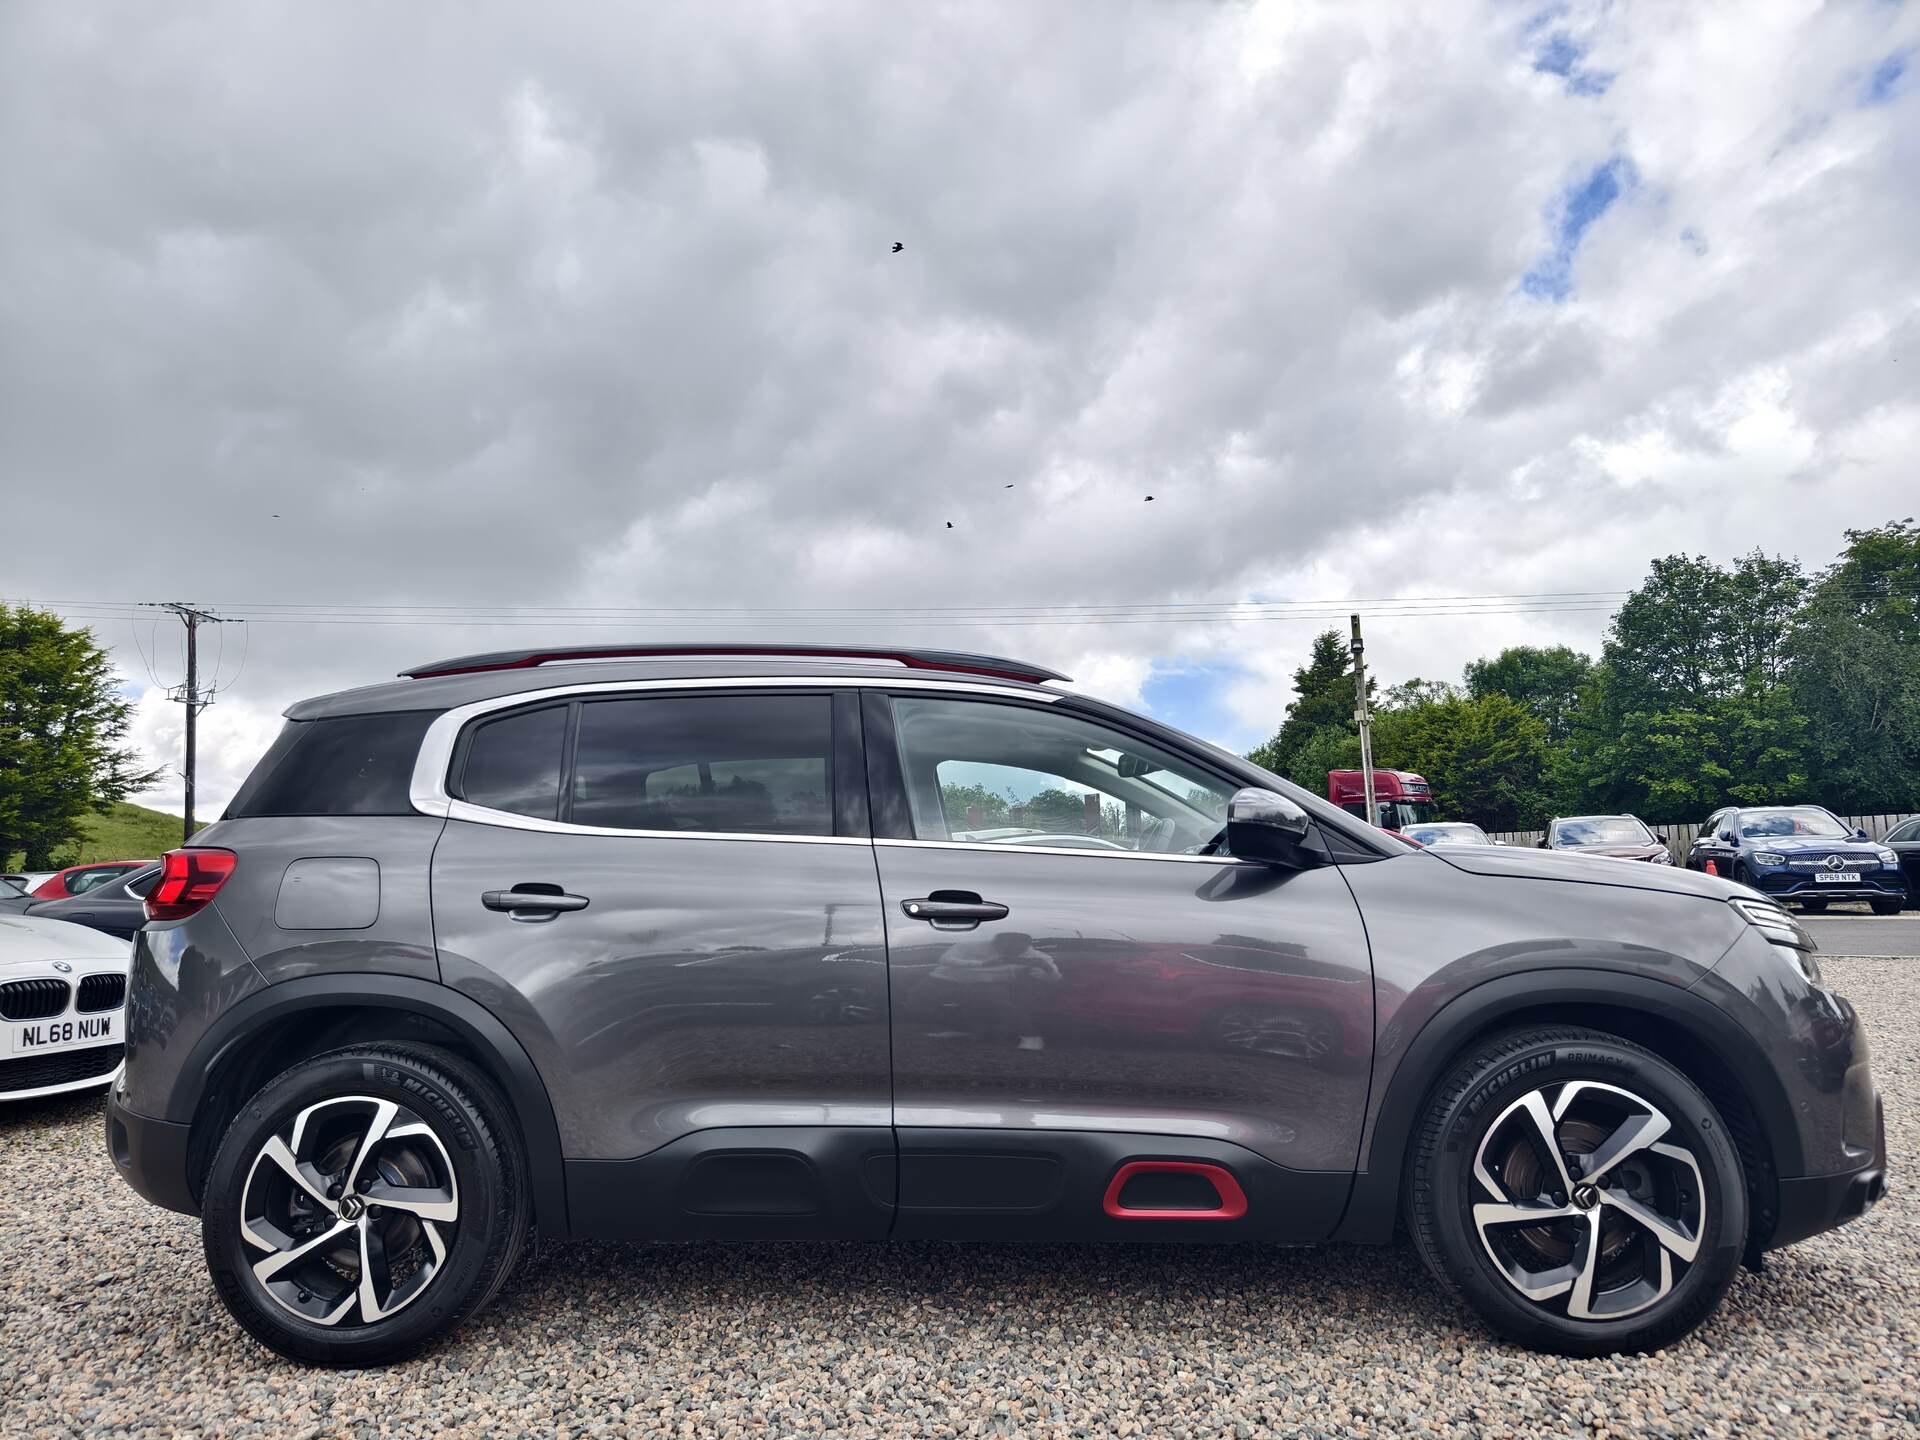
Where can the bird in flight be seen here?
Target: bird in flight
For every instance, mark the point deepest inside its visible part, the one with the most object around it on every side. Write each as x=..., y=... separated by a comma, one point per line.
x=949, y=524
x=1149, y=497
x=898, y=246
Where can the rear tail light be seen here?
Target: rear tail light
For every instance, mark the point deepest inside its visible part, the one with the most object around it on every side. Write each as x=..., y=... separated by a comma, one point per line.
x=189, y=879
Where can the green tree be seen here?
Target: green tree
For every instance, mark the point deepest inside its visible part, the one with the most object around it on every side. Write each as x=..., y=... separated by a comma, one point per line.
x=62, y=721
x=1409, y=693
x=1323, y=691
x=1694, y=631
x=1546, y=680
x=1681, y=762
x=1856, y=673
x=1487, y=759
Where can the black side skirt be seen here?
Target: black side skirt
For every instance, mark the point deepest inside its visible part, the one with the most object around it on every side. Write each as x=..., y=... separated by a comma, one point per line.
x=847, y=1183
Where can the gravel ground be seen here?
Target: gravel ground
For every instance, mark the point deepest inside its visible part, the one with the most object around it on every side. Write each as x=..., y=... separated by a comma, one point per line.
x=108, y=1327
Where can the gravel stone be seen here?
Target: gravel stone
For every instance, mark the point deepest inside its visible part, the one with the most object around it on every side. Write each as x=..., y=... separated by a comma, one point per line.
x=109, y=1327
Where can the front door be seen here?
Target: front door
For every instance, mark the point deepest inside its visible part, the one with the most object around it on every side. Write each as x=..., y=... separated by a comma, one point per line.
x=670, y=899
x=1075, y=988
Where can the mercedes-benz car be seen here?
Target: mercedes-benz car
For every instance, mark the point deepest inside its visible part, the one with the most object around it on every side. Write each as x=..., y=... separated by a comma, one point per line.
x=1801, y=853
x=693, y=942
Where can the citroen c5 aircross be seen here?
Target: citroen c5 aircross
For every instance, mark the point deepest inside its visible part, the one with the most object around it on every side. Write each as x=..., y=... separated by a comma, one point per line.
x=805, y=943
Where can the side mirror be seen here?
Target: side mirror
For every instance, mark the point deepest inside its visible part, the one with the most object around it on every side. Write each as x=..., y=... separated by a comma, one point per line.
x=1726, y=837
x=1860, y=832
x=1661, y=838
x=1268, y=827
x=1540, y=844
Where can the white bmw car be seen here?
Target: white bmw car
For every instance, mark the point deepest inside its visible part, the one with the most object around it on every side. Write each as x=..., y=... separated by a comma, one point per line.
x=63, y=1001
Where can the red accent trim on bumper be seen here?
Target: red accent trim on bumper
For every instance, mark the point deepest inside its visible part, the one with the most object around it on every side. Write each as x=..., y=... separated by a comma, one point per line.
x=1233, y=1200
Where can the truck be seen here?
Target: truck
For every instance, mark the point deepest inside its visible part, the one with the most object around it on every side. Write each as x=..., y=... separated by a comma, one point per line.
x=1400, y=798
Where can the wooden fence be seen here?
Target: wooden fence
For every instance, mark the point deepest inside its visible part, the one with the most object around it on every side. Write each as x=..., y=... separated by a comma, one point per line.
x=1680, y=837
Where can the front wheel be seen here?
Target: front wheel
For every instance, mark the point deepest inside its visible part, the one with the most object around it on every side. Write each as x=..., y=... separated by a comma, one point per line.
x=1888, y=907
x=1814, y=907
x=1578, y=1192
x=364, y=1203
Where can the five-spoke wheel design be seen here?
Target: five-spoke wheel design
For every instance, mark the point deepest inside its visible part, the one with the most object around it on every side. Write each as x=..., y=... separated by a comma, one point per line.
x=350, y=1211
x=1585, y=1203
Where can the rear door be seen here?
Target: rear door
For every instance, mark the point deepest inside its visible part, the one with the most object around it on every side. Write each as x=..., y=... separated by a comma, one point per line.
x=669, y=896
x=1076, y=989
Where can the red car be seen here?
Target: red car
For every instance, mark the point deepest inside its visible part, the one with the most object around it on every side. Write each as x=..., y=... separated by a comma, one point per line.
x=78, y=879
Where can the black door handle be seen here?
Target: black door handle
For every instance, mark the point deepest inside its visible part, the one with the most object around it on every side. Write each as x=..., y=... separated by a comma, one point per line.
x=526, y=903
x=953, y=909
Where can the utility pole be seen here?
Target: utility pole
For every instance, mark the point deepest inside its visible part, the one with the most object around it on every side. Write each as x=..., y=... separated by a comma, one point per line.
x=190, y=694
x=1363, y=717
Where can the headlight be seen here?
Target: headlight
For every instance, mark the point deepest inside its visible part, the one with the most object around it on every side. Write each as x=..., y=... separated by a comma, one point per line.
x=1767, y=857
x=1782, y=930
x=1889, y=858
x=1661, y=857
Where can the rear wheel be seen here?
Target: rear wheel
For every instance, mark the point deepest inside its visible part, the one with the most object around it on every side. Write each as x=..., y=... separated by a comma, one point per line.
x=1578, y=1192
x=365, y=1202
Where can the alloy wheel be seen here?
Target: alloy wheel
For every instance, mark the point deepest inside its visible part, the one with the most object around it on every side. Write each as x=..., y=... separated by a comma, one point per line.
x=354, y=1206
x=1585, y=1203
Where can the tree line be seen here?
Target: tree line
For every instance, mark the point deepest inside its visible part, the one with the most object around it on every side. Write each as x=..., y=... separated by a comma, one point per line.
x=1749, y=683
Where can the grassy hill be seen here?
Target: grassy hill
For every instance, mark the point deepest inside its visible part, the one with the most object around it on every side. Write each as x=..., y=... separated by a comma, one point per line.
x=126, y=832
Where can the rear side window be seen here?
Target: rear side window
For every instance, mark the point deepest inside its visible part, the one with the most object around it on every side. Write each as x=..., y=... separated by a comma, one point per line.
x=740, y=764
x=513, y=763
x=347, y=765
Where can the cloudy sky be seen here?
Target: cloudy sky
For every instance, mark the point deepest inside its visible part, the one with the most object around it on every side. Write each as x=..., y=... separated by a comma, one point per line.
x=409, y=330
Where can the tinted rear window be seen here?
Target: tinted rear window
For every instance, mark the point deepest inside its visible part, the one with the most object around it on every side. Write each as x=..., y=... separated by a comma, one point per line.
x=349, y=765
x=740, y=764
x=513, y=763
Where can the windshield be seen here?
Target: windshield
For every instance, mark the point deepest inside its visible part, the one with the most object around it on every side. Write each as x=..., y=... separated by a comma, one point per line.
x=1799, y=820
x=1452, y=834
x=1399, y=814
x=1602, y=830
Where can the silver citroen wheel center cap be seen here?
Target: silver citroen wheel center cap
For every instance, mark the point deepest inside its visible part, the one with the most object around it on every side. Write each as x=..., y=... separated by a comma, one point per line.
x=1585, y=1196
x=351, y=1207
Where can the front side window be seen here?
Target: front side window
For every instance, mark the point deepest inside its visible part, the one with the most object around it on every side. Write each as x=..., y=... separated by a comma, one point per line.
x=1902, y=833
x=743, y=764
x=1020, y=777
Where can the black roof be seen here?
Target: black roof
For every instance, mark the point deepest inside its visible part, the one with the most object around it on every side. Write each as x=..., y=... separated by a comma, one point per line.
x=952, y=661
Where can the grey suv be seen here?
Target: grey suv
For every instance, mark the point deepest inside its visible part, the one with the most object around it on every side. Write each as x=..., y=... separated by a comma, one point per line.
x=766, y=942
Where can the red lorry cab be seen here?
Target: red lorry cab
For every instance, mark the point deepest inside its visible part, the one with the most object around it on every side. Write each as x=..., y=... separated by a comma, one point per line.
x=1400, y=797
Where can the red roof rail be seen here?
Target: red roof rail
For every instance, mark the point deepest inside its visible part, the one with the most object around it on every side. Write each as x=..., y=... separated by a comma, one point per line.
x=951, y=661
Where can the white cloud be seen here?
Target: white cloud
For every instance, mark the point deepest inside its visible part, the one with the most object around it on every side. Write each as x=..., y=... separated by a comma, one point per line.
x=597, y=307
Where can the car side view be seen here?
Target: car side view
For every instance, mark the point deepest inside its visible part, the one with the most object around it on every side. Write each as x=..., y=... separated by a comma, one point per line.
x=763, y=942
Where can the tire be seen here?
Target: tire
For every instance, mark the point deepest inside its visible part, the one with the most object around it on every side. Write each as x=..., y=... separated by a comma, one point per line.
x=1813, y=907
x=1479, y=1136
x=1888, y=907
x=449, y=1165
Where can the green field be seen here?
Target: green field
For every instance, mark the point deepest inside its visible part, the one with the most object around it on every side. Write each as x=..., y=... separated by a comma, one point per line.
x=126, y=832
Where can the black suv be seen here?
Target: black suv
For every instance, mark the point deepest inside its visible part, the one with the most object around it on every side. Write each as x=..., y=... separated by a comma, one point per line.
x=765, y=942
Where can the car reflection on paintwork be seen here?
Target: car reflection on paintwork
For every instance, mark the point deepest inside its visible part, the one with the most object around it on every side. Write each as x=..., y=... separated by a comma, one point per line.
x=1088, y=987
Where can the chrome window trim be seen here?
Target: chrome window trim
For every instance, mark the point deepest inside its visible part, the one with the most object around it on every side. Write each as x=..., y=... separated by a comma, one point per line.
x=983, y=847
x=507, y=820
x=427, y=790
